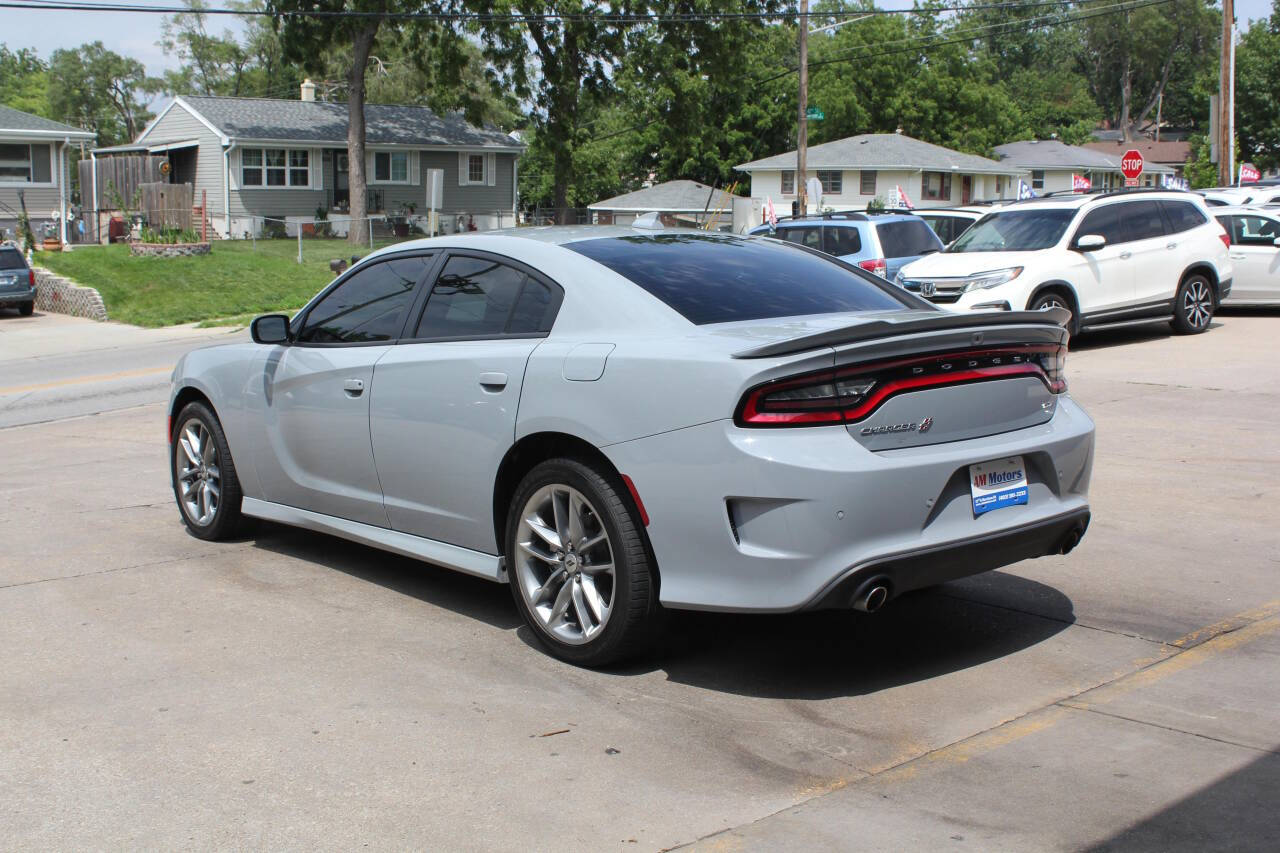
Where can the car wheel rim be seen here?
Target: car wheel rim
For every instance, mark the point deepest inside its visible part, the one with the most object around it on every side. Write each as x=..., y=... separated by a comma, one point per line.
x=198, y=473
x=1197, y=304
x=564, y=565
x=1051, y=302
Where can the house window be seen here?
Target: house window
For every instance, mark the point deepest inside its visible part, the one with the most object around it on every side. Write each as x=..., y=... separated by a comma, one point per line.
x=391, y=167
x=936, y=186
x=867, y=182
x=275, y=167
x=788, y=182
x=999, y=186
x=1037, y=179
x=832, y=182
x=475, y=168
x=25, y=164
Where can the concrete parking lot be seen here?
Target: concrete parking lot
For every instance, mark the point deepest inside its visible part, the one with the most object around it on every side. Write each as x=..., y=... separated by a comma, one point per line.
x=295, y=691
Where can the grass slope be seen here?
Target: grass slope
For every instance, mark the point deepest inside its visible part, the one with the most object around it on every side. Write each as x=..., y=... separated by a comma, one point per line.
x=235, y=280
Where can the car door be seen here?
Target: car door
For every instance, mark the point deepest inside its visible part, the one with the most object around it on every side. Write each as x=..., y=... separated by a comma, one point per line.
x=1157, y=254
x=1104, y=281
x=443, y=410
x=1255, y=257
x=316, y=391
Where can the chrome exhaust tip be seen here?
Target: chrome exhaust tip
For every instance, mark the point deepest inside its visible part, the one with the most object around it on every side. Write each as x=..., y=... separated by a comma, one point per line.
x=1071, y=540
x=872, y=599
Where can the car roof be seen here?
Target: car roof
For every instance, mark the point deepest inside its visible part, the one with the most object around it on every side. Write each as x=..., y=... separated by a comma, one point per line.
x=1075, y=201
x=967, y=211
x=1270, y=212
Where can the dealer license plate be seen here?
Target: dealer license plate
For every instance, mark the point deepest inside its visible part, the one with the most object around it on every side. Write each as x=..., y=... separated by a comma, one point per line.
x=998, y=484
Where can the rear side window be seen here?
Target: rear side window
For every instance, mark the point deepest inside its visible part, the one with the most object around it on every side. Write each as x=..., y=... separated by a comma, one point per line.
x=472, y=297
x=842, y=241
x=906, y=238
x=1253, y=231
x=11, y=259
x=710, y=278
x=1182, y=216
x=1105, y=222
x=368, y=306
x=1143, y=219
x=808, y=237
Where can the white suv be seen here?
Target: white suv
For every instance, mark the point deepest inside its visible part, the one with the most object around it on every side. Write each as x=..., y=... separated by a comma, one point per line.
x=1110, y=259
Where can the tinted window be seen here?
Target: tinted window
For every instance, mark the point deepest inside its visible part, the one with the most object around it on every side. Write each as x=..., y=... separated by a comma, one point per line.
x=1106, y=223
x=947, y=228
x=1254, y=231
x=719, y=279
x=1143, y=219
x=535, y=309
x=906, y=238
x=11, y=259
x=843, y=241
x=1182, y=215
x=472, y=297
x=368, y=306
x=809, y=237
x=1015, y=231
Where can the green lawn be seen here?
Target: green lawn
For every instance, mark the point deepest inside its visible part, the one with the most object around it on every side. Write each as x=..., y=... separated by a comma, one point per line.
x=237, y=280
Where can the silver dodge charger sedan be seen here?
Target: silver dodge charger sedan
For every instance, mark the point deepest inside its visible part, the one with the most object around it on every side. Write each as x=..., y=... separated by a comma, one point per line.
x=615, y=420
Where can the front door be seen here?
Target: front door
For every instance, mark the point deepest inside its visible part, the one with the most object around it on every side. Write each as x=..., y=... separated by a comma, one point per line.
x=966, y=189
x=316, y=391
x=341, y=181
x=1104, y=277
x=444, y=404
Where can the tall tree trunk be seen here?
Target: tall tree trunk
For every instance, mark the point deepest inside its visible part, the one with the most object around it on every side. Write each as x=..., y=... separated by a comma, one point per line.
x=562, y=173
x=361, y=45
x=1126, y=96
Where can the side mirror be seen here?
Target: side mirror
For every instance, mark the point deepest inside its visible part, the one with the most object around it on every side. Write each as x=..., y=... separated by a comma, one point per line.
x=1091, y=242
x=270, y=329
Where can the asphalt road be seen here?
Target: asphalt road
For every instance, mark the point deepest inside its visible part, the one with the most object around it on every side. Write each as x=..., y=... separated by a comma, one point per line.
x=296, y=691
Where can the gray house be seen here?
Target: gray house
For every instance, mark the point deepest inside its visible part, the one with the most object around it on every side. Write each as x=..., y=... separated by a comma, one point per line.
x=33, y=162
x=259, y=158
x=1051, y=164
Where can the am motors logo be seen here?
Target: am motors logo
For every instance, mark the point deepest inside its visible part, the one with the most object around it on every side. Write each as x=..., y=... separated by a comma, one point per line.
x=997, y=478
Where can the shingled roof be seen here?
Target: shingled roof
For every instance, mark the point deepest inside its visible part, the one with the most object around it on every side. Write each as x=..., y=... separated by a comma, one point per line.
x=27, y=124
x=1052, y=154
x=883, y=151
x=262, y=119
x=669, y=197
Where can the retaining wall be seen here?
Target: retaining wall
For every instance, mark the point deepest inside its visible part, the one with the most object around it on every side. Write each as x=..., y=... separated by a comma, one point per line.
x=63, y=296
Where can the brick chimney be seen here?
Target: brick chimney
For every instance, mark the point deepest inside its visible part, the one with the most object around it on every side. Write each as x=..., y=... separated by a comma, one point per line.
x=308, y=90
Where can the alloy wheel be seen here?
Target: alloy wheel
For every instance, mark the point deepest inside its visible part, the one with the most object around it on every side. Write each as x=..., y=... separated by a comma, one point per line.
x=1197, y=303
x=564, y=567
x=198, y=474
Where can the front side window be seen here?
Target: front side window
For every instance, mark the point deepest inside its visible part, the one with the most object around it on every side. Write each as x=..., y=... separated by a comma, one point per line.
x=1015, y=231
x=369, y=306
x=867, y=182
x=936, y=186
x=475, y=298
x=788, y=182
x=391, y=167
x=1254, y=231
x=709, y=278
x=1037, y=179
x=1143, y=219
x=832, y=182
x=1106, y=222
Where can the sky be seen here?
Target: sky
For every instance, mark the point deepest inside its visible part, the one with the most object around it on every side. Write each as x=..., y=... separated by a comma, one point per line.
x=135, y=34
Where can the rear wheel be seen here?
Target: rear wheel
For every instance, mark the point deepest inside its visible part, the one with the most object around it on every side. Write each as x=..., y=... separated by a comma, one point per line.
x=1193, y=307
x=204, y=475
x=26, y=309
x=577, y=563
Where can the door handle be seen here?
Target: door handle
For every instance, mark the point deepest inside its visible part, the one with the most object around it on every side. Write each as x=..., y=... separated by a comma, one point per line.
x=493, y=381
x=353, y=387
x=1171, y=245
x=1124, y=256
x=1237, y=257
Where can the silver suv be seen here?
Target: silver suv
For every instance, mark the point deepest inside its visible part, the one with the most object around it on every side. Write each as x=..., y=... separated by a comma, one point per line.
x=881, y=243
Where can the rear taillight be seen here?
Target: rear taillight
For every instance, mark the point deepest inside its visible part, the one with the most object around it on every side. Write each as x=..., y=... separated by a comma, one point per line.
x=1224, y=236
x=850, y=394
x=877, y=266
x=31, y=277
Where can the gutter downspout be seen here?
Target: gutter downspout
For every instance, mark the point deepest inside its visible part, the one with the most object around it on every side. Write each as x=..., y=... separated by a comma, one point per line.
x=227, y=148
x=62, y=191
x=515, y=191
x=97, y=215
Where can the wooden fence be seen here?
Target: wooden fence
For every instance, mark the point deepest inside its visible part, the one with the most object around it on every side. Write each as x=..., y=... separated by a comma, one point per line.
x=118, y=178
x=167, y=205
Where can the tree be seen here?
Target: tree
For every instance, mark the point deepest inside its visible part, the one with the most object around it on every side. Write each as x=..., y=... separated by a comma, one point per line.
x=24, y=81
x=1258, y=91
x=574, y=58
x=212, y=64
x=100, y=90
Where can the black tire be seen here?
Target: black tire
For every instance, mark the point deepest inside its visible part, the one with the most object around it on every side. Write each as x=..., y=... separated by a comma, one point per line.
x=225, y=520
x=1194, y=305
x=26, y=309
x=632, y=606
x=1054, y=298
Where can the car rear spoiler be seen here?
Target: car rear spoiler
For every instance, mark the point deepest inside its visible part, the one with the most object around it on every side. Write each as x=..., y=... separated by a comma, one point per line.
x=1059, y=317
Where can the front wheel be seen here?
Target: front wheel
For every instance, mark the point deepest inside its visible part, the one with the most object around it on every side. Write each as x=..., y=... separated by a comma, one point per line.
x=579, y=570
x=1193, y=307
x=1054, y=299
x=204, y=475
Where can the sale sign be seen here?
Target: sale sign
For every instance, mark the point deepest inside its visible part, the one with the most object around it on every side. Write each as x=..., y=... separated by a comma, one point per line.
x=1080, y=184
x=1249, y=174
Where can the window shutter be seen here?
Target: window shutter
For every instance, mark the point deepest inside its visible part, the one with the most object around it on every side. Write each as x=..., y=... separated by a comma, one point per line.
x=462, y=168
x=415, y=166
x=233, y=166
x=368, y=167
x=490, y=169
x=316, y=161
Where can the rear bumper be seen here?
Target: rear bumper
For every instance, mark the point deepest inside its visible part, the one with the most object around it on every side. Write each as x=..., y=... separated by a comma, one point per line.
x=780, y=520
x=10, y=297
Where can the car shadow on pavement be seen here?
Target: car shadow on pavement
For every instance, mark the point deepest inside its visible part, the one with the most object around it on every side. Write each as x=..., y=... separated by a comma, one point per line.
x=1103, y=338
x=470, y=596
x=827, y=654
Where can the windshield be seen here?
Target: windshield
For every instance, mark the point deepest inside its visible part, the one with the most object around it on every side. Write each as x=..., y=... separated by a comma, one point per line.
x=1015, y=231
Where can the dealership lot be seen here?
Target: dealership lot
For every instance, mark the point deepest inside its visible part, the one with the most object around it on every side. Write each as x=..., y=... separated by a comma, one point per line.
x=292, y=690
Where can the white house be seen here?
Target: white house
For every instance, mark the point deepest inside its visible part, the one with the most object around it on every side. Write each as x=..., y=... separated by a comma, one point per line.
x=1050, y=164
x=856, y=170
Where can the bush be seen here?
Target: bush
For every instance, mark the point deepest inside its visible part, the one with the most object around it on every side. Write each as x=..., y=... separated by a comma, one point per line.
x=170, y=236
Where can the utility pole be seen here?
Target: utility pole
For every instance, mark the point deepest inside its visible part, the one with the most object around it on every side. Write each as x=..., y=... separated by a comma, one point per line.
x=1226, y=98
x=802, y=129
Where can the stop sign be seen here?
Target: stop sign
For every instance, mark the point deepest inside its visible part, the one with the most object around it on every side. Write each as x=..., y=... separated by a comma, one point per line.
x=1131, y=164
